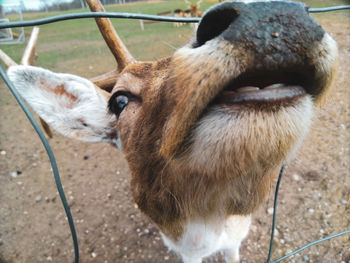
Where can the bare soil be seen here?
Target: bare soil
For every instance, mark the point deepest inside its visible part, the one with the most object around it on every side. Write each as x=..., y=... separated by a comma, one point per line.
x=314, y=198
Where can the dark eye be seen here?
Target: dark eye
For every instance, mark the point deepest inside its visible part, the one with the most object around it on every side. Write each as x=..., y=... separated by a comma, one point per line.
x=121, y=101
x=118, y=102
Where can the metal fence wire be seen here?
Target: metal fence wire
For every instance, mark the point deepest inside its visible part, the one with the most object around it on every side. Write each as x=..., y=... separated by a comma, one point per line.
x=49, y=151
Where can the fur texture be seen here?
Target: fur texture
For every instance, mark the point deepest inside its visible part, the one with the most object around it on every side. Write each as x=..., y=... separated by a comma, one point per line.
x=200, y=168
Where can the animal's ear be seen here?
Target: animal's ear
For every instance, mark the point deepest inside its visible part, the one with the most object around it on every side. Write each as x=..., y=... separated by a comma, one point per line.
x=72, y=105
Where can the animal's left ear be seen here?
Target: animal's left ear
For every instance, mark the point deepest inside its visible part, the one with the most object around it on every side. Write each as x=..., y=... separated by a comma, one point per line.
x=72, y=105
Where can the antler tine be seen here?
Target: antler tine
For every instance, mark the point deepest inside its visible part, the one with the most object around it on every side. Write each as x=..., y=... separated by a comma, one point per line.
x=106, y=81
x=6, y=59
x=118, y=49
x=29, y=53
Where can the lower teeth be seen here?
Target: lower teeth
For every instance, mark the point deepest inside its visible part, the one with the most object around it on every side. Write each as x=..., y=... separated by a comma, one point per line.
x=249, y=88
x=274, y=86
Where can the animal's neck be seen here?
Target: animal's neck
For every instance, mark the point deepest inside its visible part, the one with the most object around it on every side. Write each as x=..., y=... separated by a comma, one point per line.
x=172, y=197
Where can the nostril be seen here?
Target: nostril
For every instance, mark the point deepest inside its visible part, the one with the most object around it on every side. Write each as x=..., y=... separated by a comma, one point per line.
x=214, y=22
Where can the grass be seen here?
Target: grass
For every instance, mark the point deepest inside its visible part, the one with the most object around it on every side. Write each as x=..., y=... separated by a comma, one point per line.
x=67, y=42
x=76, y=46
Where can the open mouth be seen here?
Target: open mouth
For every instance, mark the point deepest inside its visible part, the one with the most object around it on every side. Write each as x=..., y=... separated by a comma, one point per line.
x=265, y=87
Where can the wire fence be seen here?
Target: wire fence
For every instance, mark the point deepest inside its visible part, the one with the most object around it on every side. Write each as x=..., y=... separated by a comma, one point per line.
x=49, y=151
x=58, y=18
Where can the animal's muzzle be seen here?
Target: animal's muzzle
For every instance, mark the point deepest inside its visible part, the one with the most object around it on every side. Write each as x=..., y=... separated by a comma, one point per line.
x=273, y=36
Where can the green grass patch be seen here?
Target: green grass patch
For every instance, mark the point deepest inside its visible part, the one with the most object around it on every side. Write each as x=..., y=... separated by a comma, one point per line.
x=71, y=40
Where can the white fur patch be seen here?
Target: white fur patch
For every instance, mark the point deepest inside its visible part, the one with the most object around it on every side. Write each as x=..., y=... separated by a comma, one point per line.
x=202, y=239
x=325, y=57
x=222, y=135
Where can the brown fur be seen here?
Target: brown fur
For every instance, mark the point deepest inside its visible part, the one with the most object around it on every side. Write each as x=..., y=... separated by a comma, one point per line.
x=183, y=168
x=194, y=158
x=61, y=91
x=168, y=190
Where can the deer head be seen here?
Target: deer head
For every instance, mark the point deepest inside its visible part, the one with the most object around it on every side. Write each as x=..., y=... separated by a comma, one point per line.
x=205, y=130
x=193, y=9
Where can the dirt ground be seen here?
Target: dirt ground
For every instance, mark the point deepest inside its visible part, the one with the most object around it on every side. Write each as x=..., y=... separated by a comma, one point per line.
x=314, y=197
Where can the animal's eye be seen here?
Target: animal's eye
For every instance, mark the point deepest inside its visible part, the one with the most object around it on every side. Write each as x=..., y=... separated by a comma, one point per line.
x=121, y=101
x=118, y=102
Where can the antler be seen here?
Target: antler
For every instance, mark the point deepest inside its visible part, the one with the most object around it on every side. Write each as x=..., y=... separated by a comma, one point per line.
x=118, y=49
x=6, y=59
x=29, y=53
x=106, y=81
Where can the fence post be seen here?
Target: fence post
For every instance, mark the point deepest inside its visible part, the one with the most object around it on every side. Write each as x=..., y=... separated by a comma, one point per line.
x=142, y=26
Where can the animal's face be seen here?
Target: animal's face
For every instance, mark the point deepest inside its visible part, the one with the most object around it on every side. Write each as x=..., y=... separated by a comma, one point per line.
x=237, y=98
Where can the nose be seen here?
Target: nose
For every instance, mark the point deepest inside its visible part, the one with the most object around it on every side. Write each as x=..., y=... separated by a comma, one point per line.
x=260, y=25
